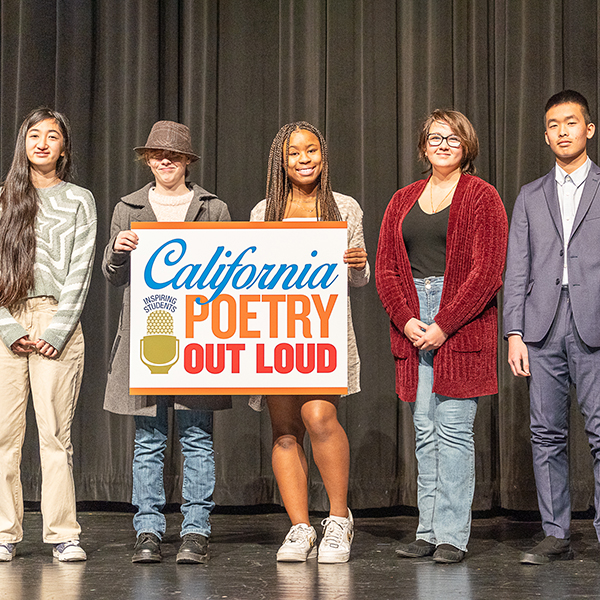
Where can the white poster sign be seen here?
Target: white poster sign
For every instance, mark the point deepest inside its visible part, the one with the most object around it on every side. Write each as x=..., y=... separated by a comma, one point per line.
x=239, y=308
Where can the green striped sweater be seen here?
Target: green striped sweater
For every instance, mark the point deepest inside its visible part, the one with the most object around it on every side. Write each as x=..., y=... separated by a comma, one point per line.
x=66, y=236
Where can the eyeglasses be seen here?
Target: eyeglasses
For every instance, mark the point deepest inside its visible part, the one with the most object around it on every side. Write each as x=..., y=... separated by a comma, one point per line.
x=435, y=139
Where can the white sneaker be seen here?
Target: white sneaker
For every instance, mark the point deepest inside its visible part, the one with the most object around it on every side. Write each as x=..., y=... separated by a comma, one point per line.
x=7, y=551
x=338, y=534
x=69, y=551
x=299, y=544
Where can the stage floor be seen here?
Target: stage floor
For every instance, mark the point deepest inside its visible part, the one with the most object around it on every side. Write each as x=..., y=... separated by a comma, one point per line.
x=243, y=565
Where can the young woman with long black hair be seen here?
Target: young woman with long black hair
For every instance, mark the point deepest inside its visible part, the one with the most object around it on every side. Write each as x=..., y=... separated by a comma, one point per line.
x=47, y=239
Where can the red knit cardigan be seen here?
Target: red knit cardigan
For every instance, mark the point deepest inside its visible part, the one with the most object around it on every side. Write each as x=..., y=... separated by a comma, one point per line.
x=465, y=365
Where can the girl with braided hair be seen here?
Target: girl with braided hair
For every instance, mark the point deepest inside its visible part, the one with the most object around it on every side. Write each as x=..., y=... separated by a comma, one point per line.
x=298, y=187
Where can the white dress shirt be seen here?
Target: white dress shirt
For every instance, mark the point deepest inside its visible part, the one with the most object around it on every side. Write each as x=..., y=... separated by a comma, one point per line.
x=569, y=187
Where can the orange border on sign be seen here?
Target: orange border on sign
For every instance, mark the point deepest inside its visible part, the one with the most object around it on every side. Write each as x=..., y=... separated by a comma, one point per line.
x=241, y=225
x=238, y=225
x=236, y=391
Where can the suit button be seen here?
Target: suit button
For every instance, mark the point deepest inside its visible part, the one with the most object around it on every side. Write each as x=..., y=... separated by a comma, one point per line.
x=558, y=282
x=562, y=252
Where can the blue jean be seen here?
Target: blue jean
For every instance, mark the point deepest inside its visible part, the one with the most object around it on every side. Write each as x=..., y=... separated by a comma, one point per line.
x=195, y=435
x=445, y=447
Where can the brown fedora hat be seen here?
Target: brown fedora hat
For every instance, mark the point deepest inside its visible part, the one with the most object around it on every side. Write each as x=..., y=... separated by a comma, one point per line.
x=171, y=136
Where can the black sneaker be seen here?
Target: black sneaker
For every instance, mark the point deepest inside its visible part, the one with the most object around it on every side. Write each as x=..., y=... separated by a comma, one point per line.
x=448, y=554
x=193, y=550
x=416, y=549
x=549, y=549
x=147, y=549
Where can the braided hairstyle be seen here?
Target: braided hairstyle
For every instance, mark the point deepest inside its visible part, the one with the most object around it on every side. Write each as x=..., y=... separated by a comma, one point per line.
x=278, y=185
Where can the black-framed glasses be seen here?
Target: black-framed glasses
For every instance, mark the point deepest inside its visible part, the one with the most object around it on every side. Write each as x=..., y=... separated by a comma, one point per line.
x=435, y=139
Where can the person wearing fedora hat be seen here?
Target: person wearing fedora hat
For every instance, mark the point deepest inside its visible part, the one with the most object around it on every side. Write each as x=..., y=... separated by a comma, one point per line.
x=169, y=136
x=168, y=152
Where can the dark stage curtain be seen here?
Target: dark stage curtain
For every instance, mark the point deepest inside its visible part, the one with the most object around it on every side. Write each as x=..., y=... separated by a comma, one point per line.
x=364, y=71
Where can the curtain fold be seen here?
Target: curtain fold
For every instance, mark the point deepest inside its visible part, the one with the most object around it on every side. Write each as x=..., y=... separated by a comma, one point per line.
x=366, y=72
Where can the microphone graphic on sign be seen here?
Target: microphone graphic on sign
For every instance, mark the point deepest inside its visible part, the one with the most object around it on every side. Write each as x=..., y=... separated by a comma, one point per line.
x=160, y=348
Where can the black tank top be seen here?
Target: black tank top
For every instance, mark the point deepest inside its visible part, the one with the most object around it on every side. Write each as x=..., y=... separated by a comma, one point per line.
x=425, y=241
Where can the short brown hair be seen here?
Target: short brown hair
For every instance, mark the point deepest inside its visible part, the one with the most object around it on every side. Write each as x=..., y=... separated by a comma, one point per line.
x=462, y=127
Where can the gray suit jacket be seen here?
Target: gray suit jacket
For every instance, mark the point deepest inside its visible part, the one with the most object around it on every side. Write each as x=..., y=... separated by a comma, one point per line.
x=534, y=264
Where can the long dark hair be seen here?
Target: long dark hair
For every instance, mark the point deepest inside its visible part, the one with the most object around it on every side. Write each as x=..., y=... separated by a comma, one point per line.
x=19, y=204
x=278, y=185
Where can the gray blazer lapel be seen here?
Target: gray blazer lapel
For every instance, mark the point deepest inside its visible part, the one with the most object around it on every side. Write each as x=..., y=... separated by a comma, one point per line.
x=200, y=197
x=146, y=214
x=139, y=201
x=549, y=187
x=590, y=189
x=194, y=208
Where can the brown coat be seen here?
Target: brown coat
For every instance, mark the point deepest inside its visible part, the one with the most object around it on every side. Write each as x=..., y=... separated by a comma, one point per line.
x=465, y=365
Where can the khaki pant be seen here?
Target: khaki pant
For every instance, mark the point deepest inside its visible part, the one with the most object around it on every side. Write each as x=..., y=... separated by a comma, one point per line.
x=54, y=385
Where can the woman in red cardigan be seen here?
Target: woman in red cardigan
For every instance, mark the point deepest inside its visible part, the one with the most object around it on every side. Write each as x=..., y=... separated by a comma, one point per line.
x=441, y=254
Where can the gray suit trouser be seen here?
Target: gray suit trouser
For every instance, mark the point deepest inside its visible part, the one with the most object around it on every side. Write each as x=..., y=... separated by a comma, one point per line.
x=560, y=360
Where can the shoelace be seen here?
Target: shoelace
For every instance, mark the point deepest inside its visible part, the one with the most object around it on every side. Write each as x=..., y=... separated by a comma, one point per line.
x=296, y=534
x=332, y=534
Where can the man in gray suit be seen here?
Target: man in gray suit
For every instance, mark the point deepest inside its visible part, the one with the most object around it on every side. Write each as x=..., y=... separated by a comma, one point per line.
x=552, y=312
